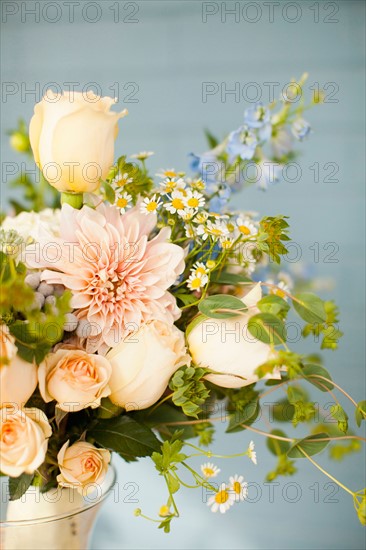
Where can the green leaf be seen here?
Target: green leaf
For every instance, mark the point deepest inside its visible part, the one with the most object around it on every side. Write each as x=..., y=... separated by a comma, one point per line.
x=225, y=278
x=211, y=139
x=283, y=411
x=195, y=321
x=161, y=415
x=340, y=415
x=19, y=485
x=245, y=415
x=311, y=372
x=273, y=304
x=221, y=306
x=309, y=444
x=172, y=483
x=267, y=328
x=186, y=298
x=125, y=436
x=360, y=412
x=169, y=456
x=296, y=393
x=277, y=446
x=310, y=307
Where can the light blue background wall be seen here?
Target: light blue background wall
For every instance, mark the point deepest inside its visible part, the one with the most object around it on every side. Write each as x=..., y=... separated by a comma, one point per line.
x=168, y=54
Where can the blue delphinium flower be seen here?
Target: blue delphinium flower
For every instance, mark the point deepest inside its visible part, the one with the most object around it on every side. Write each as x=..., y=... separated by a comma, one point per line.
x=206, y=165
x=269, y=173
x=242, y=142
x=300, y=128
x=220, y=200
x=258, y=117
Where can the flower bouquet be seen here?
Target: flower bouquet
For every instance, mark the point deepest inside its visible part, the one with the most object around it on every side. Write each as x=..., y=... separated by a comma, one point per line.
x=137, y=311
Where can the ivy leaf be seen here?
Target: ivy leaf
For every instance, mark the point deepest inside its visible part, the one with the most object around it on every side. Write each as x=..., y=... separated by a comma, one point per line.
x=311, y=372
x=340, y=415
x=267, y=328
x=126, y=437
x=310, y=445
x=19, y=485
x=169, y=456
x=221, y=306
x=310, y=307
x=360, y=412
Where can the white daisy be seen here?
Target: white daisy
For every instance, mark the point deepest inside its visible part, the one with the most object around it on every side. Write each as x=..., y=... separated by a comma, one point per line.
x=251, y=453
x=239, y=487
x=222, y=500
x=195, y=282
x=198, y=184
x=190, y=233
x=194, y=200
x=280, y=289
x=201, y=217
x=217, y=228
x=209, y=470
x=167, y=173
x=202, y=231
x=187, y=214
x=150, y=205
x=171, y=184
x=123, y=202
x=176, y=204
x=143, y=155
x=199, y=268
x=246, y=227
x=226, y=242
x=121, y=180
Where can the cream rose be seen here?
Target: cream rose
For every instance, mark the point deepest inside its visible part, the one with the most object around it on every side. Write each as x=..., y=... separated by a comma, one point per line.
x=24, y=437
x=227, y=347
x=143, y=363
x=32, y=225
x=74, y=378
x=82, y=465
x=18, y=378
x=72, y=137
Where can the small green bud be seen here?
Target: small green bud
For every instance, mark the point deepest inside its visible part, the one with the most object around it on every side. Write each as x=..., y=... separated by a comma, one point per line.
x=19, y=142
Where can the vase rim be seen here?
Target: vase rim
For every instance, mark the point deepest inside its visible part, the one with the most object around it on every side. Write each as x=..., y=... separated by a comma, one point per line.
x=74, y=512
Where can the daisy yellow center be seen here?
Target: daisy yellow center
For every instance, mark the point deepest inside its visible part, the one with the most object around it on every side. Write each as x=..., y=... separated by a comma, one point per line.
x=170, y=174
x=280, y=293
x=201, y=271
x=122, y=202
x=151, y=206
x=196, y=283
x=178, y=204
x=221, y=497
x=193, y=202
x=237, y=487
x=217, y=232
x=226, y=244
x=244, y=229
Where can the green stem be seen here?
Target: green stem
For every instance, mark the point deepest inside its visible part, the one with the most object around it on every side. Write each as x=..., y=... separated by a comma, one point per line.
x=73, y=199
x=325, y=472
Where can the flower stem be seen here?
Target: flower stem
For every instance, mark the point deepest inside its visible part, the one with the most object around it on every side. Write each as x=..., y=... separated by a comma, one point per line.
x=73, y=199
x=325, y=472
